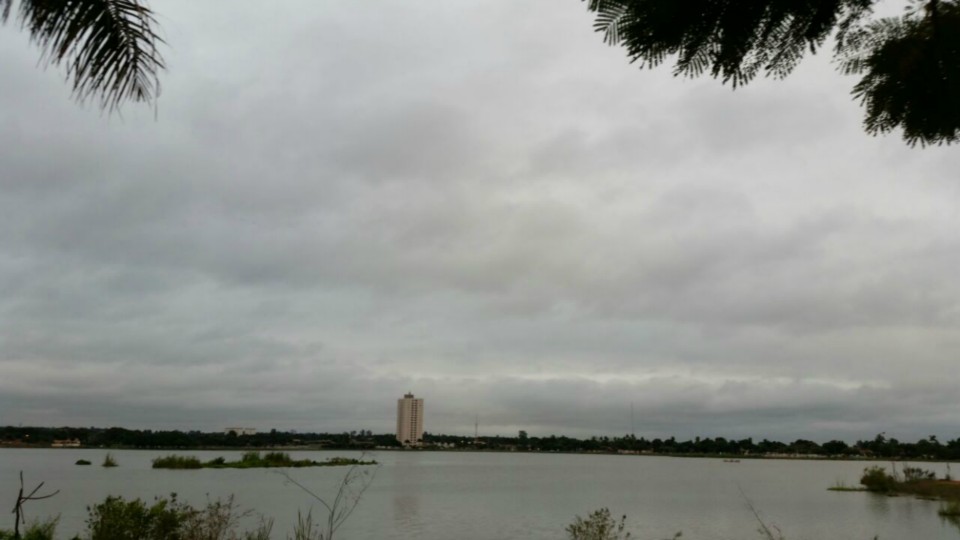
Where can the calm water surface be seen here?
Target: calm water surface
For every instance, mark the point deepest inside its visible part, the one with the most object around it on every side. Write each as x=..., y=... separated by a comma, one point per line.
x=486, y=496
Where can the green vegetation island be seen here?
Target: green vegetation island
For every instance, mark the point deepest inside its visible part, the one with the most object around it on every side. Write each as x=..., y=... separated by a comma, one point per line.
x=913, y=481
x=878, y=448
x=253, y=460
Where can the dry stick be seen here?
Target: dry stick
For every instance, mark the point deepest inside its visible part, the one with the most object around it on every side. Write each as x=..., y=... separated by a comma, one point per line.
x=346, y=499
x=764, y=529
x=18, y=508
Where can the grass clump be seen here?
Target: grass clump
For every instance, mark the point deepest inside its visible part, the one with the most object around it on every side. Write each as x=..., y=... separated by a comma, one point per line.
x=109, y=461
x=599, y=525
x=840, y=485
x=82, y=462
x=916, y=474
x=177, y=462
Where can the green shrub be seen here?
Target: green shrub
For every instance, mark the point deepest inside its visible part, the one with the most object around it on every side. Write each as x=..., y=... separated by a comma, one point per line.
x=278, y=459
x=250, y=457
x=119, y=519
x=177, y=462
x=109, y=461
x=877, y=480
x=167, y=519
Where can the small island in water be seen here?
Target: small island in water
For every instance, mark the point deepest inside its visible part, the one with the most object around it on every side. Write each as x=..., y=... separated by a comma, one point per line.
x=252, y=460
x=915, y=481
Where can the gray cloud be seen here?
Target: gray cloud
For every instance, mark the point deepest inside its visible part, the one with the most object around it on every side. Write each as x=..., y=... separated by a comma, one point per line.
x=480, y=203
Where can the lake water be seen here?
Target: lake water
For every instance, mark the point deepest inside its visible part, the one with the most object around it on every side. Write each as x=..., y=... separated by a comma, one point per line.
x=488, y=496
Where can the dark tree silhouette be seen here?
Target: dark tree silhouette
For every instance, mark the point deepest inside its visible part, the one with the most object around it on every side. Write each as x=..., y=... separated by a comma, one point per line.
x=109, y=47
x=909, y=65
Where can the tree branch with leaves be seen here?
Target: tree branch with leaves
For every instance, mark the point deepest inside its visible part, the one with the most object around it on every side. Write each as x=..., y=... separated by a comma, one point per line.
x=909, y=66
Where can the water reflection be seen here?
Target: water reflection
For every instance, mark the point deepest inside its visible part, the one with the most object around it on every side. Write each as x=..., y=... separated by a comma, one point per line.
x=406, y=502
x=879, y=504
x=951, y=520
x=406, y=511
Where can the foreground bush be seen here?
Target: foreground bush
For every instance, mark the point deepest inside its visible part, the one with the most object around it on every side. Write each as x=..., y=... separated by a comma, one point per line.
x=37, y=530
x=167, y=519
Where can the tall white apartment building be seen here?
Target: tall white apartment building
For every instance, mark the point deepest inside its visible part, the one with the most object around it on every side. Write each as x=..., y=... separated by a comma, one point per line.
x=410, y=420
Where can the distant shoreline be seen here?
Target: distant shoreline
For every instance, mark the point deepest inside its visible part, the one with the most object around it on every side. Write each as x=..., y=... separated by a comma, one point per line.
x=879, y=448
x=738, y=457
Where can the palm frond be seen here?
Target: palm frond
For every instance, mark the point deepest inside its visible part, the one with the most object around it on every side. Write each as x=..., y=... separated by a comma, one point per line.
x=109, y=47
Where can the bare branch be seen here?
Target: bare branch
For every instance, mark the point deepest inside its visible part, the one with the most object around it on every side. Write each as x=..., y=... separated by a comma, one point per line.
x=351, y=489
x=19, y=517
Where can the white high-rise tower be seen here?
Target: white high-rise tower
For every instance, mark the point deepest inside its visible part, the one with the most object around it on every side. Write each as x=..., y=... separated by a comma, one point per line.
x=410, y=420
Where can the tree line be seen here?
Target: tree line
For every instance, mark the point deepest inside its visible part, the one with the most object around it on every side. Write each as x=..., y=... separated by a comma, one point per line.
x=880, y=447
x=117, y=437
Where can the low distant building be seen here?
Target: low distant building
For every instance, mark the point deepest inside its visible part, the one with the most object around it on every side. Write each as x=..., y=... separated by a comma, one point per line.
x=240, y=431
x=66, y=443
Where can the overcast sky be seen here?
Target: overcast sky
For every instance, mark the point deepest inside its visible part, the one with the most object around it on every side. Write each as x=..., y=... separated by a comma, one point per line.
x=481, y=203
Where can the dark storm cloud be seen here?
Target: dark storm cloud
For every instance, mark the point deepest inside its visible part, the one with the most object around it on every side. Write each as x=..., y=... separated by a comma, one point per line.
x=457, y=202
